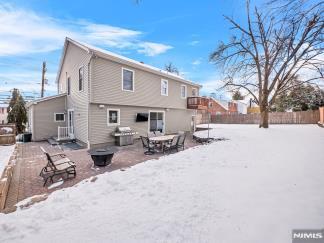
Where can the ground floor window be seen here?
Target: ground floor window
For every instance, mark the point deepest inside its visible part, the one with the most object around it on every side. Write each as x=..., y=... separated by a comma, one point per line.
x=59, y=117
x=113, y=117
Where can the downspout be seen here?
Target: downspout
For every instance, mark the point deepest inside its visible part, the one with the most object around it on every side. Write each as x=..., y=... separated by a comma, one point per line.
x=89, y=94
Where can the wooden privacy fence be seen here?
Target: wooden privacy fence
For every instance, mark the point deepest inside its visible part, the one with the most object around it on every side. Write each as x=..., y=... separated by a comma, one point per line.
x=300, y=117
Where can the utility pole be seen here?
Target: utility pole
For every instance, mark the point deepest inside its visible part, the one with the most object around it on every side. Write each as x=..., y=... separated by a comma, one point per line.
x=43, y=78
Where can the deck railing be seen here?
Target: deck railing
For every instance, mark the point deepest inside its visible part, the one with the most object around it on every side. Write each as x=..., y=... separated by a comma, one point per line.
x=64, y=132
x=199, y=103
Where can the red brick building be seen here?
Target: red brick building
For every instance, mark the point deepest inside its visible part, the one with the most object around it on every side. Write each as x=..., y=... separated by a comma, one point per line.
x=221, y=107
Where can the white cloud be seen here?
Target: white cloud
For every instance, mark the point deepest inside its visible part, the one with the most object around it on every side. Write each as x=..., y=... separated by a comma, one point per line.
x=194, y=43
x=153, y=49
x=26, y=81
x=196, y=62
x=24, y=31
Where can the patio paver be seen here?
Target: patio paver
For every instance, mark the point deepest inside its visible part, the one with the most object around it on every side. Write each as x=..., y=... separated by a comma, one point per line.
x=26, y=181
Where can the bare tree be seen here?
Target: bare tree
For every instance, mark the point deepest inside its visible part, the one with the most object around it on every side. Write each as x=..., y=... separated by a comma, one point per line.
x=171, y=68
x=264, y=56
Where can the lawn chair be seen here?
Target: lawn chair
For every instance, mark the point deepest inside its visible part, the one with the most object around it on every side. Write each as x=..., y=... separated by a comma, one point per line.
x=148, y=145
x=61, y=166
x=172, y=146
x=181, y=141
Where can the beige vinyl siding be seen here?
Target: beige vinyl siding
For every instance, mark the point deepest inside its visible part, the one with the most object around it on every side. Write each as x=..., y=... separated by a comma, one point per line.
x=178, y=120
x=106, y=87
x=100, y=132
x=75, y=58
x=43, y=124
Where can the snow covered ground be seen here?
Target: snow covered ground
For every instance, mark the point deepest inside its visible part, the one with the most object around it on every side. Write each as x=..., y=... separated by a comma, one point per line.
x=254, y=187
x=5, y=153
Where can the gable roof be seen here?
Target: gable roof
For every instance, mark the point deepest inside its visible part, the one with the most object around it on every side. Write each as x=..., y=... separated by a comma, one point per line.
x=222, y=103
x=120, y=59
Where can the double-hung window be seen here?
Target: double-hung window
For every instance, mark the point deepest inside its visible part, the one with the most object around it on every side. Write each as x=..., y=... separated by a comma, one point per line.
x=164, y=87
x=194, y=92
x=80, y=78
x=127, y=79
x=183, y=91
x=113, y=117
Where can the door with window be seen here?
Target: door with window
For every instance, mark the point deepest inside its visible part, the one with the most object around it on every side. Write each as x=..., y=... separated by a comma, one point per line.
x=156, y=121
x=71, y=123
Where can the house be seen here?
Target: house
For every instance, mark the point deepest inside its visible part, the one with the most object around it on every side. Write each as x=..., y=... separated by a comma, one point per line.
x=3, y=113
x=99, y=90
x=218, y=107
x=241, y=106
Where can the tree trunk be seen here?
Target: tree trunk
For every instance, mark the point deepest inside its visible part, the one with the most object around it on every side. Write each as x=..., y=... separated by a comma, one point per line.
x=264, y=119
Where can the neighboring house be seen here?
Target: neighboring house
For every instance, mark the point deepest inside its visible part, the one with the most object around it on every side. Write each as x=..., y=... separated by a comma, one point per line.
x=241, y=106
x=218, y=107
x=99, y=90
x=3, y=113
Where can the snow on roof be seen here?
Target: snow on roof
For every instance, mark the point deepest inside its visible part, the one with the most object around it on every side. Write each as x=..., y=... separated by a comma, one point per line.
x=34, y=102
x=222, y=103
x=4, y=105
x=110, y=55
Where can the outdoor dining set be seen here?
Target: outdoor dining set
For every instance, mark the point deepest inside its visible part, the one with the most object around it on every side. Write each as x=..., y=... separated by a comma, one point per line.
x=158, y=142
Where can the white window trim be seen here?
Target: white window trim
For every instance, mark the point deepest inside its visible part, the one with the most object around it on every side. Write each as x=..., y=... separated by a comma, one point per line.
x=196, y=91
x=185, y=97
x=118, y=117
x=167, y=87
x=149, y=119
x=61, y=113
x=80, y=90
x=122, y=79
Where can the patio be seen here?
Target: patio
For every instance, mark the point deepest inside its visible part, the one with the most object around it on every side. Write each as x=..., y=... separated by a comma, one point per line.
x=30, y=160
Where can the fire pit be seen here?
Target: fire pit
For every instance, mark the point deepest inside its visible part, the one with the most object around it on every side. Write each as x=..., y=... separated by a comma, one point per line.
x=102, y=156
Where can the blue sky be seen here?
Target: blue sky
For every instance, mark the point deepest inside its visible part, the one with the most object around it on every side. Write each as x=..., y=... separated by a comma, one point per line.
x=155, y=32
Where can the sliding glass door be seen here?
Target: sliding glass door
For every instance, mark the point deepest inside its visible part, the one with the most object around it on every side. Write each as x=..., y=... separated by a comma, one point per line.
x=156, y=121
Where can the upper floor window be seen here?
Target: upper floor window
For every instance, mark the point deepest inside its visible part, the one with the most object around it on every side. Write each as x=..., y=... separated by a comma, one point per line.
x=80, y=78
x=113, y=117
x=68, y=85
x=183, y=91
x=194, y=92
x=164, y=87
x=127, y=79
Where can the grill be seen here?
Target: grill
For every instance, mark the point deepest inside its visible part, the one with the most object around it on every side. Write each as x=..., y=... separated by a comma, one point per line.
x=124, y=136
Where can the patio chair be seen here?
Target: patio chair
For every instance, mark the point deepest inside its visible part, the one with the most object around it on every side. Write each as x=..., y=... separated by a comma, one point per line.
x=57, y=167
x=148, y=145
x=172, y=146
x=181, y=141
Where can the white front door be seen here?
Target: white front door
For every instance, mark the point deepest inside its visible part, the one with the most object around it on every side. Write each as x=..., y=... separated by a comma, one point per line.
x=156, y=121
x=71, y=123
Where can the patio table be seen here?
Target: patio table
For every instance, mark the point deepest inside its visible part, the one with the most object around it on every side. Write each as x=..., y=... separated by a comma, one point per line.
x=162, y=139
